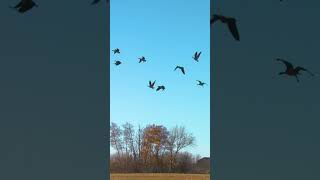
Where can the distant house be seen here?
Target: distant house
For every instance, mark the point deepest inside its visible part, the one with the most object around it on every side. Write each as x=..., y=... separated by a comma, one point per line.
x=203, y=165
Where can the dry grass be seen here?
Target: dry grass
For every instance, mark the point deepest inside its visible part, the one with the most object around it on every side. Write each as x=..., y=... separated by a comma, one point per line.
x=159, y=176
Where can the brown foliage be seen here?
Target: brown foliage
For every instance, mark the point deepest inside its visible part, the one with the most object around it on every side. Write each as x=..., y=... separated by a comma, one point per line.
x=151, y=149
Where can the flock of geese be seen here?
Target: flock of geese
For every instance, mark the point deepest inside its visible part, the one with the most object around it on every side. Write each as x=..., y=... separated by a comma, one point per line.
x=152, y=83
x=232, y=26
x=26, y=5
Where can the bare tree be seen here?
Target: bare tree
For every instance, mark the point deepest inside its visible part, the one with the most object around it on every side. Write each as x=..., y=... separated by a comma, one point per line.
x=128, y=137
x=138, y=147
x=116, y=140
x=129, y=134
x=178, y=139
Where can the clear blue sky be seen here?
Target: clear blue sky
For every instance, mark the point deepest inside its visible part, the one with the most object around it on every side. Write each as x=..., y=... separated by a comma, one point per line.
x=167, y=33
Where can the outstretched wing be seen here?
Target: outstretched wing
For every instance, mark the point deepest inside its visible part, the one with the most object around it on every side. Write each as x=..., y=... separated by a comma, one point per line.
x=158, y=88
x=176, y=68
x=288, y=65
x=195, y=55
x=19, y=4
x=182, y=69
x=199, y=54
x=153, y=83
x=24, y=9
x=214, y=18
x=233, y=29
x=303, y=69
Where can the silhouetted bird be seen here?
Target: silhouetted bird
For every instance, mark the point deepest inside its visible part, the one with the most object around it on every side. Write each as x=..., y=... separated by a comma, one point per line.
x=291, y=71
x=161, y=88
x=151, y=84
x=196, y=56
x=25, y=5
x=117, y=63
x=231, y=22
x=181, y=68
x=142, y=59
x=201, y=83
x=115, y=51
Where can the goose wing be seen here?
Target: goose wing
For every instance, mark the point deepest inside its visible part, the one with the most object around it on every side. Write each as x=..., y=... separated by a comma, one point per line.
x=24, y=9
x=182, y=69
x=233, y=29
x=199, y=54
x=303, y=69
x=195, y=55
x=18, y=5
x=288, y=64
x=214, y=18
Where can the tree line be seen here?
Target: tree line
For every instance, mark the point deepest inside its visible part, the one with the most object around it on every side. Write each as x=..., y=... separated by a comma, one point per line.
x=151, y=149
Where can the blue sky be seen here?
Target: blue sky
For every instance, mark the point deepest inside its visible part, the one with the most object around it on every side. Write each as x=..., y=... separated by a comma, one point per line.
x=167, y=33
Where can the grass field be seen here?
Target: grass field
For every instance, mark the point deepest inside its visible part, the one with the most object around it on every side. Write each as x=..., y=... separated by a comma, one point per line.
x=159, y=176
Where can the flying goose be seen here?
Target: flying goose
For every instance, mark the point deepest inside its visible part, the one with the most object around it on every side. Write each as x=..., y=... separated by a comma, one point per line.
x=181, y=68
x=201, y=83
x=142, y=59
x=115, y=51
x=231, y=22
x=151, y=84
x=196, y=56
x=117, y=63
x=291, y=71
x=161, y=88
